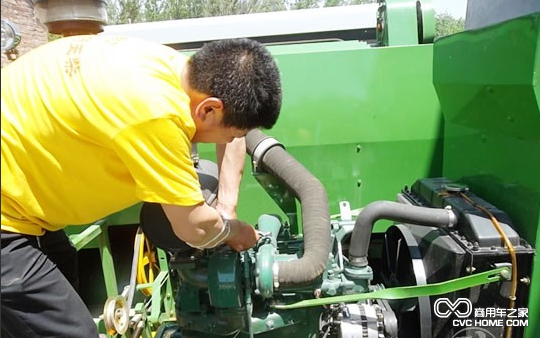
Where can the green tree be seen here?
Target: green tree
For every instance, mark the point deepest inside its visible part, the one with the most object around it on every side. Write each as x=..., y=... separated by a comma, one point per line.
x=132, y=11
x=125, y=11
x=446, y=24
x=302, y=4
x=334, y=3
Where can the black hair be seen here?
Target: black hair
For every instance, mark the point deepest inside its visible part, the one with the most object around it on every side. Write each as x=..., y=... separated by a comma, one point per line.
x=243, y=74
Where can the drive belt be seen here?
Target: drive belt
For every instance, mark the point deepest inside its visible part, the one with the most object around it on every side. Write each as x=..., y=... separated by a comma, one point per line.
x=414, y=291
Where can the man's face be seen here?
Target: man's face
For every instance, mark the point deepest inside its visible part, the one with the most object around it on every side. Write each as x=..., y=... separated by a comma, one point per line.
x=218, y=134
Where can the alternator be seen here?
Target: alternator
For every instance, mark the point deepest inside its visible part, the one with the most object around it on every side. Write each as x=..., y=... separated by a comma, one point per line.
x=361, y=320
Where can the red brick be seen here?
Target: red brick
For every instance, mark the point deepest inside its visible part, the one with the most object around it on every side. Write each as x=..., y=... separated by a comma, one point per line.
x=21, y=13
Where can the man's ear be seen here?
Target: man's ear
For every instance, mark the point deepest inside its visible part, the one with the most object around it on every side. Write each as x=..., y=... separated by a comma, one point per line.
x=209, y=108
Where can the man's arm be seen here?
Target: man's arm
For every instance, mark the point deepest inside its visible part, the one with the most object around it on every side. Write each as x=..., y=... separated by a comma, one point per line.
x=231, y=160
x=202, y=226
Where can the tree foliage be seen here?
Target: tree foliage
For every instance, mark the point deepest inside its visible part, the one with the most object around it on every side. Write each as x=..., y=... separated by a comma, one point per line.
x=446, y=24
x=132, y=11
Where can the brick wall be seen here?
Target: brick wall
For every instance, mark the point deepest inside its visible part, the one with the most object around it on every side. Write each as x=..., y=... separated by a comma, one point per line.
x=21, y=13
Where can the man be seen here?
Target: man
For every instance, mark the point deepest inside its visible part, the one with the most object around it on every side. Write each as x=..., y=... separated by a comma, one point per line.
x=94, y=124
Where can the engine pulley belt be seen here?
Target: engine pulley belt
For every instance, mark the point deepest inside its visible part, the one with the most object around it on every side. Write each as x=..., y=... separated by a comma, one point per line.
x=414, y=291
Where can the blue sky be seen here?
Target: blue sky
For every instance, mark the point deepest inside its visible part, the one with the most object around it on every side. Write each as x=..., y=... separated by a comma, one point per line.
x=456, y=8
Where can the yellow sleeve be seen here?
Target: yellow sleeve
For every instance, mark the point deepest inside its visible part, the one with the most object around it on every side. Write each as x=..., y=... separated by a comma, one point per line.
x=157, y=154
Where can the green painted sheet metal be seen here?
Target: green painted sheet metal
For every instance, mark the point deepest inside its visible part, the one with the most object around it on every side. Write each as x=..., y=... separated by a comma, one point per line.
x=488, y=84
x=365, y=121
x=399, y=22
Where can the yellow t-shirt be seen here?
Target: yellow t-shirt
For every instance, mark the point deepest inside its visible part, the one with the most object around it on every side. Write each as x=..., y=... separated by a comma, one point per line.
x=92, y=125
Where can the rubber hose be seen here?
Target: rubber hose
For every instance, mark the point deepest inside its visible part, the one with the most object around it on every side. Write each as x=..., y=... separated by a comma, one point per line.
x=393, y=211
x=315, y=214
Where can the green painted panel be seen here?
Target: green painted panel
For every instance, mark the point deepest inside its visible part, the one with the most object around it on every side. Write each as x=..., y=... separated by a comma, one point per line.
x=500, y=169
x=401, y=23
x=487, y=81
x=365, y=121
x=488, y=85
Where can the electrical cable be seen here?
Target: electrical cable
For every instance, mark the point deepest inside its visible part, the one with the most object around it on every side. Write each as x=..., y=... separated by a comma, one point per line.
x=511, y=251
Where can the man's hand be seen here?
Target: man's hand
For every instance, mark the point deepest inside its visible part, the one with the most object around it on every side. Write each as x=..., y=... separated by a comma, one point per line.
x=243, y=236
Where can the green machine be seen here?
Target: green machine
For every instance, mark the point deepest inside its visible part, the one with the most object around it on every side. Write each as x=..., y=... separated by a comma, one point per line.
x=397, y=196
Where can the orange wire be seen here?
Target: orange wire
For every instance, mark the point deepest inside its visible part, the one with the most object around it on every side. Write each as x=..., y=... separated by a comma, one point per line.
x=511, y=251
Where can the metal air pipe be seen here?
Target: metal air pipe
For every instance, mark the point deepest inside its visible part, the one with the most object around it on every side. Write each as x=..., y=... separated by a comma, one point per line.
x=72, y=17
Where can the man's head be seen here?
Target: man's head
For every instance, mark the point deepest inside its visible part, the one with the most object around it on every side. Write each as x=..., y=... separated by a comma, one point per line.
x=237, y=81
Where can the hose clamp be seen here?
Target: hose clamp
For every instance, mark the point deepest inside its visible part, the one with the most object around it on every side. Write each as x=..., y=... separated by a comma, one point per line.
x=452, y=218
x=261, y=149
x=275, y=270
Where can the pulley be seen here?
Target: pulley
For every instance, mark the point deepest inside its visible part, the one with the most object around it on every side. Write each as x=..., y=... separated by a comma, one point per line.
x=116, y=315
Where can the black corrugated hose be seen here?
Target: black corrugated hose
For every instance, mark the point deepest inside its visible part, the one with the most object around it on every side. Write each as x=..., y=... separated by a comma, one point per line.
x=314, y=203
x=393, y=211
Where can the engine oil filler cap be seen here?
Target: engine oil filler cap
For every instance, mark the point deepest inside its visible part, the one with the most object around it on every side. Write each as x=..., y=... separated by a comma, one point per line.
x=455, y=187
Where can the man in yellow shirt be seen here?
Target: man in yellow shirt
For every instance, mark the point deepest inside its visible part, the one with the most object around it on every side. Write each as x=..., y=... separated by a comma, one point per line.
x=94, y=124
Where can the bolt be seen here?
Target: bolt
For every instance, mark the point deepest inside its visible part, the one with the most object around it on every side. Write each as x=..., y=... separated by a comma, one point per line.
x=359, y=183
x=525, y=280
x=470, y=269
x=358, y=148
